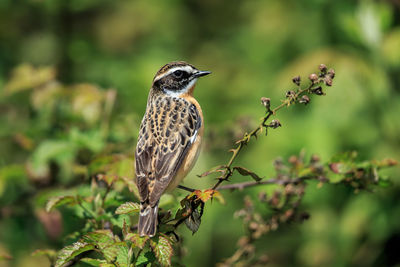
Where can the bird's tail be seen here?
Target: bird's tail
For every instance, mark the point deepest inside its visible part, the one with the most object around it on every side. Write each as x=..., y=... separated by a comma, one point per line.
x=148, y=220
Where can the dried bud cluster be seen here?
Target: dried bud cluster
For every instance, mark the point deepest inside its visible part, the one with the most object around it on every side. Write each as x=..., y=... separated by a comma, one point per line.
x=304, y=100
x=313, y=78
x=322, y=68
x=266, y=102
x=317, y=91
x=290, y=93
x=275, y=124
x=296, y=80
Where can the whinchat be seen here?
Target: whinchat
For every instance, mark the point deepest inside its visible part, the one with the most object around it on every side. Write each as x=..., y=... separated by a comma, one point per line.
x=169, y=138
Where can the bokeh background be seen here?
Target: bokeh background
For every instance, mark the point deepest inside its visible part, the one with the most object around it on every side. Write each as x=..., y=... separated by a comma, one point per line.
x=74, y=79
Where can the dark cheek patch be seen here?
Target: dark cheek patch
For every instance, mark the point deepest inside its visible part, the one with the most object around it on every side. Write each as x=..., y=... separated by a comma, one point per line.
x=171, y=84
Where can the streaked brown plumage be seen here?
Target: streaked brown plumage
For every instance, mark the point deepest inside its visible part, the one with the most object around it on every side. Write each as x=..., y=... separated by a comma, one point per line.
x=169, y=138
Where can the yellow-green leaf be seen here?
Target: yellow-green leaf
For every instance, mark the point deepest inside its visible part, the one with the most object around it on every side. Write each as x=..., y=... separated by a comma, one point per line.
x=127, y=208
x=59, y=201
x=162, y=248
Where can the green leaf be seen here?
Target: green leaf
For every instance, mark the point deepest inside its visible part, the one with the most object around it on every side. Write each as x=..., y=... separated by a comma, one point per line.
x=26, y=77
x=384, y=182
x=162, y=248
x=247, y=172
x=70, y=252
x=105, y=242
x=145, y=258
x=102, y=238
x=93, y=262
x=124, y=255
x=59, y=201
x=137, y=240
x=112, y=168
x=128, y=207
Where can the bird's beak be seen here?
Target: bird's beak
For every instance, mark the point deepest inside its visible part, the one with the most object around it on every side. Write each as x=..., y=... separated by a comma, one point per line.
x=201, y=73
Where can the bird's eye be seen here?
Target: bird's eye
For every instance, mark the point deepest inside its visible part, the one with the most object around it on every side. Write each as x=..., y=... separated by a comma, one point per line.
x=178, y=74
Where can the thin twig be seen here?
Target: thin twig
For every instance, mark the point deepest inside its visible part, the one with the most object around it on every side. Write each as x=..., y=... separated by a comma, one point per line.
x=246, y=138
x=186, y=188
x=243, y=185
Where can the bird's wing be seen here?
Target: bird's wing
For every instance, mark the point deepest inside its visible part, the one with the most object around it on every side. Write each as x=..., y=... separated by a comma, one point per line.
x=168, y=130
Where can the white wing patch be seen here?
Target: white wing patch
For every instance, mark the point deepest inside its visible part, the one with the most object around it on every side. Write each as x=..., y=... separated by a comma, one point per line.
x=194, y=136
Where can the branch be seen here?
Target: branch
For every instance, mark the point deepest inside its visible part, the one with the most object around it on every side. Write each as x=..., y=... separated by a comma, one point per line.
x=241, y=186
x=292, y=97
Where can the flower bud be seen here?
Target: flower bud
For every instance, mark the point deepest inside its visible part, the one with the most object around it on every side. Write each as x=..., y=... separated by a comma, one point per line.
x=296, y=80
x=313, y=78
x=290, y=93
x=266, y=102
x=275, y=124
x=322, y=68
x=304, y=100
x=328, y=81
x=331, y=73
x=318, y=91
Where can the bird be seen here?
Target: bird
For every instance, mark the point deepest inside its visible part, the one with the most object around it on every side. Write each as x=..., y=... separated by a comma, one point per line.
x=169, y=139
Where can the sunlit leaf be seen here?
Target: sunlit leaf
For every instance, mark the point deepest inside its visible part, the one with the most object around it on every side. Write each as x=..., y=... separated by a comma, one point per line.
x=105, y=242
x=70, y=252
x=137, y=240
x=59, y=201
x=124, y=255
x=26, y=77
x=93, y=262
x=162, y=248
x=207, y=194
x=128, y=207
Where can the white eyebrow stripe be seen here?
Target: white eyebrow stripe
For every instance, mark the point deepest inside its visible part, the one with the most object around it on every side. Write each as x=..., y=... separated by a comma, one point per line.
x=184, y=68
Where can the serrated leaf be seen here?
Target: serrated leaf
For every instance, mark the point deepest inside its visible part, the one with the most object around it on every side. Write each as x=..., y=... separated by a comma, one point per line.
x=102, y=238
x=59, y=201
x=247, y=172
x=124, y=254
x=93, y=262
x=128, y=207
x=70, y=252
x=137, y=240
x=162, y=248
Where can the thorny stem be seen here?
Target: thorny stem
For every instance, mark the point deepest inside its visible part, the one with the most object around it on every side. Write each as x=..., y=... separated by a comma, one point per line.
x=247, y=136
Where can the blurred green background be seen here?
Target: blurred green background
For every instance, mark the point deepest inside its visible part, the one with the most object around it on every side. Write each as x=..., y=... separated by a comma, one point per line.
x=74, y=79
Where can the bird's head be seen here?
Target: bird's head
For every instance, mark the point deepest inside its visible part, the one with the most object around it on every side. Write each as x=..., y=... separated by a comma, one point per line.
x=177, y=78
